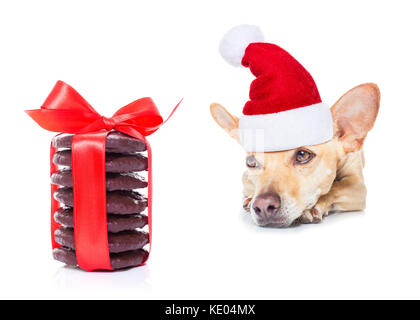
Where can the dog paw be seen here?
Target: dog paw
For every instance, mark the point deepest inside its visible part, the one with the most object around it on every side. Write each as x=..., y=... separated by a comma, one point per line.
x=247, y=204
x=306, y=217
x=316, y=214
x=313, y=215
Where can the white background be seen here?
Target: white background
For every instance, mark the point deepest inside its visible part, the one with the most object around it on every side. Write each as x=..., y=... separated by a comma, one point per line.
x=114, y=52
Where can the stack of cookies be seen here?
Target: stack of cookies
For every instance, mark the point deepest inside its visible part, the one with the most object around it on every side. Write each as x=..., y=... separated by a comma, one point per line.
x=125, y=202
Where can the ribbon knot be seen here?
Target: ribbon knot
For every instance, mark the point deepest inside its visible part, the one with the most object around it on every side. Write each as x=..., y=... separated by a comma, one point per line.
x=109, y=123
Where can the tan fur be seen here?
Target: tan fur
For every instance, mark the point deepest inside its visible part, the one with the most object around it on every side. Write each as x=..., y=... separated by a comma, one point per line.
x=331, y=181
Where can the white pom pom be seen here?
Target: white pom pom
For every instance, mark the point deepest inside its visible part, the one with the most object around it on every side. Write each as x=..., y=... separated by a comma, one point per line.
x=232, y=46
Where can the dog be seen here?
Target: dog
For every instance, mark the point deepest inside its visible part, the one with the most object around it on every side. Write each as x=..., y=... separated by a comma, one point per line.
x=305, y=184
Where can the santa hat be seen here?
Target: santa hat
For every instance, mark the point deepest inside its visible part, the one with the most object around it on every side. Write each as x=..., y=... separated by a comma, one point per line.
x=285, y=110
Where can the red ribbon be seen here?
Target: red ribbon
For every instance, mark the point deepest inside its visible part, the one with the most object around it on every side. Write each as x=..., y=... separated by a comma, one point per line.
x=66, y=111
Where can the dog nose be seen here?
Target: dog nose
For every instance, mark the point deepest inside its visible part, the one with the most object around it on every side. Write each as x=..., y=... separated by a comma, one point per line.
x=266, y=205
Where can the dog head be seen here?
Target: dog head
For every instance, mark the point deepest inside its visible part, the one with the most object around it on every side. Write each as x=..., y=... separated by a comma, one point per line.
x=288, y=182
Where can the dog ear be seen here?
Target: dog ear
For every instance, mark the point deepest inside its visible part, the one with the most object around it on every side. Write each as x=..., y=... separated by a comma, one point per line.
x=225, y=120
x=354, y=115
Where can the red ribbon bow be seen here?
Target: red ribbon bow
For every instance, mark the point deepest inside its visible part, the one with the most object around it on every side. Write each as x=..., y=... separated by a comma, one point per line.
x=66, y=111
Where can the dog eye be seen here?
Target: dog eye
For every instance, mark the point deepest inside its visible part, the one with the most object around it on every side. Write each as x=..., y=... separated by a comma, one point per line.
x=303, y=156
x=251, y=162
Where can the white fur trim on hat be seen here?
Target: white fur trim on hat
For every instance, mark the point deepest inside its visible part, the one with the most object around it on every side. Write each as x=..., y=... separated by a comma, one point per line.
x=286, y=130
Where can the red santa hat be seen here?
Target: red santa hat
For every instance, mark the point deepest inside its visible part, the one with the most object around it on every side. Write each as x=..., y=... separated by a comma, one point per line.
x=285, y=110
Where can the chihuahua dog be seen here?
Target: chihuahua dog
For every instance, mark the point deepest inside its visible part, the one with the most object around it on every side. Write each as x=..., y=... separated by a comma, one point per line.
x=305, y=184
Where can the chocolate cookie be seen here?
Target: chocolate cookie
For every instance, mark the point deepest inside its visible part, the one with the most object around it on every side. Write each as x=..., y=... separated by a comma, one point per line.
x=117, y=242
x=114, y=162
x=115, y=142
x=115, y=223
x=118, y=202
x=118, y=260
x=114, y=181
